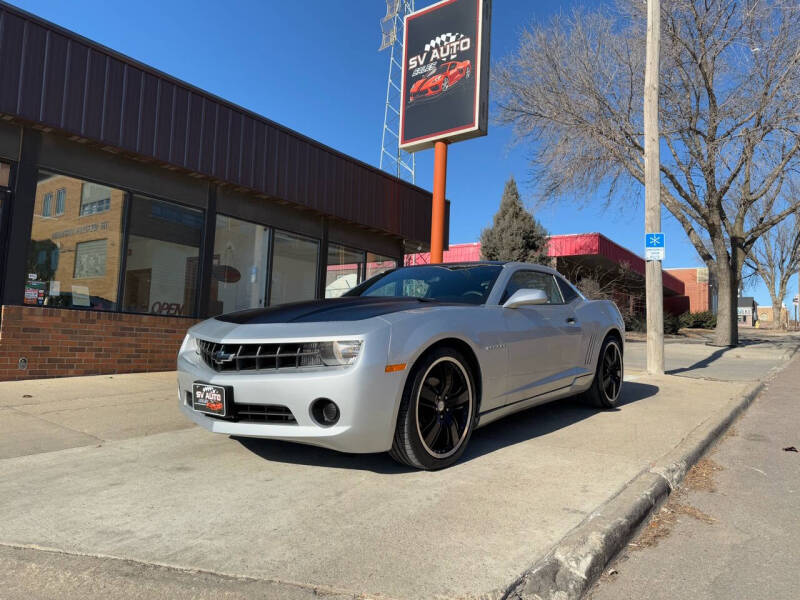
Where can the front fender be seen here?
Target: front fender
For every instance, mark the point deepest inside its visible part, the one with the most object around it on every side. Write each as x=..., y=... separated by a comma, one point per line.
x=479, y=327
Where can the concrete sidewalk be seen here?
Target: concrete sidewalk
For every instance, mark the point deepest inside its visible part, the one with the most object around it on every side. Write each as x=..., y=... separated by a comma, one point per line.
x=123, y=485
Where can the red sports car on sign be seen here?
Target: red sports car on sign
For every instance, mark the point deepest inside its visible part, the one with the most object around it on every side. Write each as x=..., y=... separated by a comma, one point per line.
x=446, y=76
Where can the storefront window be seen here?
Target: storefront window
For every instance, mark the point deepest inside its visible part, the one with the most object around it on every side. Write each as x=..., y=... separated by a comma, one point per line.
x=161, y=270
x=239, y=273
x=345, y=270
x=377, y=264
x=73, y=261
x=294, y=268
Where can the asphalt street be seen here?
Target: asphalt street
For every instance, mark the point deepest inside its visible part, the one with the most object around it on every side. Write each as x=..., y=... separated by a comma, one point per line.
x=106, y=491
x=733, y=532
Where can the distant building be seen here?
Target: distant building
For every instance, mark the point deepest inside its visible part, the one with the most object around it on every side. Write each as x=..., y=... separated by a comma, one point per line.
x=699, y=286
x=747, y=311
x=766, y=317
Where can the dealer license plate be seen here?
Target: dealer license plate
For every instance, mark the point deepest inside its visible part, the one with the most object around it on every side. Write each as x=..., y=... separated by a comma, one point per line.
x=209, y=399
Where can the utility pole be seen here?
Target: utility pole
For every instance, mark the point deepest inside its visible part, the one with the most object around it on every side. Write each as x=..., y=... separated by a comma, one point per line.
x=652, y=202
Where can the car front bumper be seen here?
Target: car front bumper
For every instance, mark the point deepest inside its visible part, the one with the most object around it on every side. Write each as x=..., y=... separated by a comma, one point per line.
x=367, y=396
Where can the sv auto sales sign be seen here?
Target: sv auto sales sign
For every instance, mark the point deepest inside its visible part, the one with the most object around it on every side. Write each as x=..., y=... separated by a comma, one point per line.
x=445, y=73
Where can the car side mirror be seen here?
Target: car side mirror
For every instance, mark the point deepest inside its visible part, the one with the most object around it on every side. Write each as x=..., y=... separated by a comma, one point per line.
x=526, y=297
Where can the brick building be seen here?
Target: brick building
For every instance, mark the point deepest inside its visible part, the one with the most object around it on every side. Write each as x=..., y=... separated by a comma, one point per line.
x=133, y=204
x=767, y=318
x=699, y=288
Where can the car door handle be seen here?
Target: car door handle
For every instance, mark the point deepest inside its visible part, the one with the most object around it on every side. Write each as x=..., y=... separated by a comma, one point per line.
x=571, y=321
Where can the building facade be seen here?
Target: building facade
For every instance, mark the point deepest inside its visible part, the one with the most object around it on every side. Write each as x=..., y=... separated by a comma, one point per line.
x=700, y=289
x=747, y=311
x=133, y=204
x=768, y=319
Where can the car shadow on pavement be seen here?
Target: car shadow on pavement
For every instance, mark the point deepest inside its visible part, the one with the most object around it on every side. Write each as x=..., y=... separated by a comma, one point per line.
x=546, y=418
x=520, y=427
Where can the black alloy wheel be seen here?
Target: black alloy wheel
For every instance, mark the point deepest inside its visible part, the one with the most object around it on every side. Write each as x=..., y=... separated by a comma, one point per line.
x=437, y=413
x=607, y=384
x=444, y=407
x=612, y=372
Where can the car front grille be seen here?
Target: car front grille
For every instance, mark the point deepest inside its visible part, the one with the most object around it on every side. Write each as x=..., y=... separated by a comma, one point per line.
x=257, y=413
x=264, y=413
x=259, y=357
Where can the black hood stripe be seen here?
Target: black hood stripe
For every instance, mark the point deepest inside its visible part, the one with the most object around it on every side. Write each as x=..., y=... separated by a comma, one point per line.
x=352, y=308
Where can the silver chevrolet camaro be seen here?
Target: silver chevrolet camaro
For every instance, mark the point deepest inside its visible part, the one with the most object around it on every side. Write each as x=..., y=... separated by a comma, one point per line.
x=411, y=361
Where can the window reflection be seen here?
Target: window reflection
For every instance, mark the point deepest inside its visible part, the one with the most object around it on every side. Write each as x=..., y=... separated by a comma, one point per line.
x=377, y=264
x=73, y=260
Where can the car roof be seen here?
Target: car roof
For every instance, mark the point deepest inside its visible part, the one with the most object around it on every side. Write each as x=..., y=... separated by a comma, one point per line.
x=507, y=264
x=469, y=263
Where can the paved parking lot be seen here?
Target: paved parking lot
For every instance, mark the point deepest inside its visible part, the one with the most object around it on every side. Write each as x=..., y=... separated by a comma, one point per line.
x=105, y=472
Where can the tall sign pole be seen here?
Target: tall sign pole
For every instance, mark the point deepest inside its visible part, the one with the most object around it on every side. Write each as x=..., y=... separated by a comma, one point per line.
x=652, y=178
x=438, y=205
x=445, y=89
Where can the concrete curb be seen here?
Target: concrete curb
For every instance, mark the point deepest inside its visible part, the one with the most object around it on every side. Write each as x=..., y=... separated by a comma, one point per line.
x=573, y=565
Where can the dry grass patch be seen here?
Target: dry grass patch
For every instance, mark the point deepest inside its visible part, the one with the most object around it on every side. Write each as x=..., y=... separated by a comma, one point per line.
x=701, y=478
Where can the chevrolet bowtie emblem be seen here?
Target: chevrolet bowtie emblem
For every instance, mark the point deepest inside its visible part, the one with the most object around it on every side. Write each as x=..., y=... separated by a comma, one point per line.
x=220, y=356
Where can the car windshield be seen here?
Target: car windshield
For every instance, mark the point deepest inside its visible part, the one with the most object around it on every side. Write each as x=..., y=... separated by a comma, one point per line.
x=443, y=68
x=470, y=284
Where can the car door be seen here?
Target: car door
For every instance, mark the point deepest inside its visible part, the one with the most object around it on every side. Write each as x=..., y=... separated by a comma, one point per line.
x=543, y=341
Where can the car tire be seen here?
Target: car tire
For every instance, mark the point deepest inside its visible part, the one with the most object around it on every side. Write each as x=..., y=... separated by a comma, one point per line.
x=445, y=84
x=437, y=412
x=468, y=73
x=607, y=383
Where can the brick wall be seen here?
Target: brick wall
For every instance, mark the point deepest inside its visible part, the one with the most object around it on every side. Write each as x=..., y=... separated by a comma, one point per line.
x=697, y=287
x=63, y=343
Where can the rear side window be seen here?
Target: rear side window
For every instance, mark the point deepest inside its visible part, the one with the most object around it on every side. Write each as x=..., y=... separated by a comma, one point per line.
x=533, y=280
x=567, y=290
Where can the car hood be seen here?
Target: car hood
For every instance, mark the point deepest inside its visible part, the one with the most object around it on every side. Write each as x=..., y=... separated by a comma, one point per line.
x=355, y=308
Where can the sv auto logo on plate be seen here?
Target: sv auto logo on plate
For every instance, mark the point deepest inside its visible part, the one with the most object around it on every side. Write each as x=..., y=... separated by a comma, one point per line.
x=209, y=397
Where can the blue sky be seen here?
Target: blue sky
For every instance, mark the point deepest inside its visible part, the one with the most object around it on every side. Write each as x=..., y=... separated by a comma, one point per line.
x=313, y=65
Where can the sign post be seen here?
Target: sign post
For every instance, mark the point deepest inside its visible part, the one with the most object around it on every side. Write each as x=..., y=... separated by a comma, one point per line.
x=654, y=289
x=445, y=89
x=438, y=206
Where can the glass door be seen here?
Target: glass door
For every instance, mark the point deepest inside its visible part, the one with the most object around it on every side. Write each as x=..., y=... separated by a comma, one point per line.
x=240, y=266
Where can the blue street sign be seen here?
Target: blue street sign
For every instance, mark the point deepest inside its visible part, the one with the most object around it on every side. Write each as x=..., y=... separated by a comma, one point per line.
x=654, y=240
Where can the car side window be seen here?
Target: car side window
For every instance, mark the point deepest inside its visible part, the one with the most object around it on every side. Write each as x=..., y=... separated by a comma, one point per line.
x=567, y=290
x=533, y=280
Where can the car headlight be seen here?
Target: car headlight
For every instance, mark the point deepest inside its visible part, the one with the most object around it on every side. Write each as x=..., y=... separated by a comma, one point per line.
x=339, y=353
x=189, y=345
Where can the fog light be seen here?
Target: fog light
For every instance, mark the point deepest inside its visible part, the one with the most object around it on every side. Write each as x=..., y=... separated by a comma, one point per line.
x=325, y=412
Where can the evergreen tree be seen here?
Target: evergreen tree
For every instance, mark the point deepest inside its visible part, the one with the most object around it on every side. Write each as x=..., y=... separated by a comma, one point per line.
x=515, y=234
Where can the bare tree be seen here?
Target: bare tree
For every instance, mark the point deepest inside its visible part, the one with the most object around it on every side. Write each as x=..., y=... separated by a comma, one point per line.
x=775, y=257
x=729, y=116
